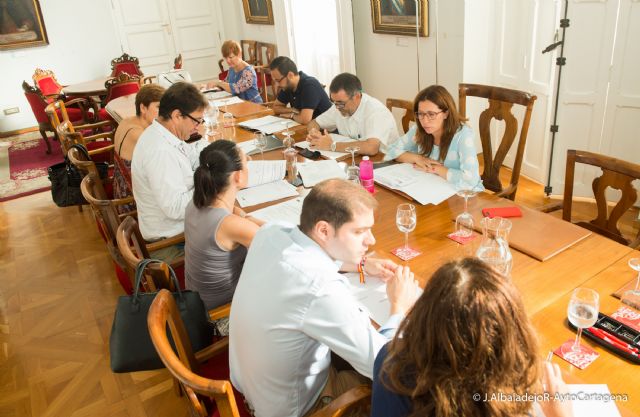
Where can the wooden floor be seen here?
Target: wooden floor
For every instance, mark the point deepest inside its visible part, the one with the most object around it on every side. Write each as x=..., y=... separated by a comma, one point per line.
x=57, y=298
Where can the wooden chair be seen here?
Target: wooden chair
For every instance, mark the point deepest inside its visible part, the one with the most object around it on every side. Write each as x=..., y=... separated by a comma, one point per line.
x=249, y=50
x=201, y=381
x=617, y=174
x=125, y=63
x=46, y=81
x=58, y=112
x=122, y=85
x=406, y=105
x=501, y=101
x=265, y=53
x=99, y=145
x=134, y=249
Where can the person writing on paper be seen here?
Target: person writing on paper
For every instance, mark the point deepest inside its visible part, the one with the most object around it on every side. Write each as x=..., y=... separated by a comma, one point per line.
x=217, y=233
x=304, y=94
x=467, y=337
x=440, y=142
x=356, y=115
x=292, y=307
x=242, y=80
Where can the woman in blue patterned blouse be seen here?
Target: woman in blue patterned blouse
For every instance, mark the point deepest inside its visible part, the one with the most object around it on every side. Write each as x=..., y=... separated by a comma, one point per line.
x=440, y=142
x=242, y=80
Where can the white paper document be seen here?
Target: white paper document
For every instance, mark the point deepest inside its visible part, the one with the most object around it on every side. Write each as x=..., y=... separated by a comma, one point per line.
x=228, y=101
x=265, y=192
x=269, y=124
x=423, y=187
x=593, y=400
x=327, y=154
x=216, y=95
x=372, y=296
x=288, y=211
x=313, y=172
x=263, y=172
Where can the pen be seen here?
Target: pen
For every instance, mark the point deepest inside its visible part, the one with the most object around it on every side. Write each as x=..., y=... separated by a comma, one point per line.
x=361, y=270
x=612, y=340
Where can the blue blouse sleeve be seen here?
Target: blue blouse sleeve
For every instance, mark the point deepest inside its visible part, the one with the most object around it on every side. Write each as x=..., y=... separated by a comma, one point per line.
x=462, y=160
x=404, y=144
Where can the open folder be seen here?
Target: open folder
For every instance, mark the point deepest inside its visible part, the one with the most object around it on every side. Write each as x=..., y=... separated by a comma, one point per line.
x=265, y=183
x=268, y=124
x=423, y=187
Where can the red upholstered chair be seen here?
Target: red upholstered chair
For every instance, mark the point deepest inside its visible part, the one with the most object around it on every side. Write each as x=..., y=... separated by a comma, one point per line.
x=46, y=81
x=38, y=105
x=122, y=85
x=177, y=62
x=100, y=145
x=125, y=63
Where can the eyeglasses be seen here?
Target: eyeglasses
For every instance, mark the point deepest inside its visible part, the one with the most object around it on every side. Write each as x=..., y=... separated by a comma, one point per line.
x=198, y=121
x=430, y=115
x=278, y=80
x=341, y=104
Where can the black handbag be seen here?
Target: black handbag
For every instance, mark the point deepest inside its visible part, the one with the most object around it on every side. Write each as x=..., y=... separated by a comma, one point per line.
x=66, y=178
x=130, y=345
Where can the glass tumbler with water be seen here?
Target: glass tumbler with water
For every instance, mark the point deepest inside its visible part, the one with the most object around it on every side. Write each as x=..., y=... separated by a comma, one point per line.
x=583, y=311
x=494, y=248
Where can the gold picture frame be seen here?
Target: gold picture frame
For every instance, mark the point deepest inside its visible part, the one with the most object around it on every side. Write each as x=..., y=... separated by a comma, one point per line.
x=258, y=11
x=398, y=17
x=22, y=25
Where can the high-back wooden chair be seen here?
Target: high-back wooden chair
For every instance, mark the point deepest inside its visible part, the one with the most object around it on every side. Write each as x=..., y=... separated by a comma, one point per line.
x=617, y=174
x=200, y=380
x=99, y=145
x=265, y=53
x=38, y=104
x=46, y=81
x=60, y=112
x=249, y=50
x=501, y=101
x=122, y=85
x=126, y=63
x=406, y=105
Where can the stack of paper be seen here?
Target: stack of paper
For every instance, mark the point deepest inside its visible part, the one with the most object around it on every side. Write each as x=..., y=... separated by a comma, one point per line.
x=249, y=146
x=313, y=172
x=228, y=101
x=265, y=183
x=216, y=95
x=268, y=124
x=423, y=187
x=288, y=211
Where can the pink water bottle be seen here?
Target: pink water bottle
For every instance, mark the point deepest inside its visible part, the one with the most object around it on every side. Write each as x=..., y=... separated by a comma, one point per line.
x=366, y=174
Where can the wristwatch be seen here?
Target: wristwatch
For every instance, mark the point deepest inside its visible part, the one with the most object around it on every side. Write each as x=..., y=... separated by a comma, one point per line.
x=333, y=146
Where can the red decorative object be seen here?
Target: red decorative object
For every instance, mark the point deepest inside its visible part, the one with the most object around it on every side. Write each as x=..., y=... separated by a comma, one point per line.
x=125, y=63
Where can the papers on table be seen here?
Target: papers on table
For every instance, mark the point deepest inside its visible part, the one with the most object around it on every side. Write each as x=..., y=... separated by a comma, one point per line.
x=216, y=95
x=263, y=172
x=228, y=101
x=313, y=172
x=288, y=211
x=592, y=400
x=327, y=154
x=423, y=187
x=268, y=124
x=265, y=192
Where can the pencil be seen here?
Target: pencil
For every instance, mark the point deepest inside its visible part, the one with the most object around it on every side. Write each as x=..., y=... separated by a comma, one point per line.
x=361, y=271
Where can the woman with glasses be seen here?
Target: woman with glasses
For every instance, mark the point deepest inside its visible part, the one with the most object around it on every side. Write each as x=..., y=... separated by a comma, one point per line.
x=466, y=341
x=242, y=80
x=440, y=142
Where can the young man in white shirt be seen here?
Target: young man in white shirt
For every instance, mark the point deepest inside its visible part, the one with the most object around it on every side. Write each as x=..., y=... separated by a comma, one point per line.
x=162, y=164
x=292, y=307
x=356, y=115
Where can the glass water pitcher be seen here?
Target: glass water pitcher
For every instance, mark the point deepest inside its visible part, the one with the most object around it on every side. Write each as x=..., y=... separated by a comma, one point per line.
x=494, y=248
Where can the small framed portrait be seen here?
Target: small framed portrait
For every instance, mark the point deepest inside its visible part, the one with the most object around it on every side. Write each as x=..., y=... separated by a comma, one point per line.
x=21, y=24
x=258, y=11
x=400, y=17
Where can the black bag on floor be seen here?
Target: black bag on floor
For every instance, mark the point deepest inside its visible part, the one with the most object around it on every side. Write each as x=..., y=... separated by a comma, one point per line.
x=66, y=178
x=130, y=345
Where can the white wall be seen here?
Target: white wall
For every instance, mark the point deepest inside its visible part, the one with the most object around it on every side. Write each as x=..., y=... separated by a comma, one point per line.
x=237, y=28
x=82, y=42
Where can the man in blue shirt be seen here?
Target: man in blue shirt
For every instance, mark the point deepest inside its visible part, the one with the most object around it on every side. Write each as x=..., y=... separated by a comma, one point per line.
x=304, y=94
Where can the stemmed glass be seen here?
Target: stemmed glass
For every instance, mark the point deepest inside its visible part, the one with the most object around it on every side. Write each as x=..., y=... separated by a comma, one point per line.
x=464, y=220
x=211, y=119
x=632, y=297
x=352, y=150
x=261, y=143
x=353, y=172
x=406, y=222
x=583, y=311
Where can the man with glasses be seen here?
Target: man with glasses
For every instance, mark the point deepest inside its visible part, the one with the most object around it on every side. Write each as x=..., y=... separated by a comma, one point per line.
x=304, y=94
x=357, y=116
x=163, y=163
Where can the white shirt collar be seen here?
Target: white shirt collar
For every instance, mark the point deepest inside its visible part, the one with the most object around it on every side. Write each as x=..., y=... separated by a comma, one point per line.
x=312, y=246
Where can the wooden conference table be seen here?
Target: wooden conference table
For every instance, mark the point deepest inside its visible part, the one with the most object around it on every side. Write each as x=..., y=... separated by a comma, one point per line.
x=595, y=262
x=87, y=88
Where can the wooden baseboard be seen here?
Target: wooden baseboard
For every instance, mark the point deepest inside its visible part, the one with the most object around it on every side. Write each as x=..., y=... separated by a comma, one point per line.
x=18, y=132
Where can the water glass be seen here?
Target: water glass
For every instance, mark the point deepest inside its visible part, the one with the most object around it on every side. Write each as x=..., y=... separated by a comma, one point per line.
x=260, y=141
x=583, y=311
x=632, y=297
x=406, y=221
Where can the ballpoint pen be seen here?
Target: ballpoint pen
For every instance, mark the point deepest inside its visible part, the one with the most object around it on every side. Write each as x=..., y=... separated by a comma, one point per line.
x=361, y=270
x=614, y=341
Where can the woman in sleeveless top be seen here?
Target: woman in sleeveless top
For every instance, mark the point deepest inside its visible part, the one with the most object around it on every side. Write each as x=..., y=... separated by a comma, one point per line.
x=242, y=80
x=126, y=137
x=466, y=340
x=217, y=234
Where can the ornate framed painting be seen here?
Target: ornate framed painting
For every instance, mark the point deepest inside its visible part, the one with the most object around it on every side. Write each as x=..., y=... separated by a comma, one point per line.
x=258, y=11
x=21, y=24
x=398, y=17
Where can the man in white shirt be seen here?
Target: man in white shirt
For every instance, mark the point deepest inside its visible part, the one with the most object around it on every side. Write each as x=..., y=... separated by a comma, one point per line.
x=163, y=163
x=356, y=115
x=292, y=307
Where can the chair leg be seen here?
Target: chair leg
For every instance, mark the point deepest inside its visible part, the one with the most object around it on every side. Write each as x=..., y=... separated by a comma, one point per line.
x=46, y=140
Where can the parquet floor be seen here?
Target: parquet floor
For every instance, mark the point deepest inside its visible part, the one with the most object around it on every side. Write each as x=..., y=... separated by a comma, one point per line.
x=57, y=297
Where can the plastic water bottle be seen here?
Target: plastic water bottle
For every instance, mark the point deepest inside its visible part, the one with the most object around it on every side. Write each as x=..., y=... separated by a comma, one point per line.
x=366, y=174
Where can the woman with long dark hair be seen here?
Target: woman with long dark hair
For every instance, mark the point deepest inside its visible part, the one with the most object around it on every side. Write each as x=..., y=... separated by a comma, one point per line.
x=466, y=338
x=440, y=142
x=217, y=234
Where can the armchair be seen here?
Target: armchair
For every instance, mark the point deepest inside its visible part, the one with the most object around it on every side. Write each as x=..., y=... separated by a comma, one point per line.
x=46, y=81
x=405, y=105
x=125, y=63
x=122, y=85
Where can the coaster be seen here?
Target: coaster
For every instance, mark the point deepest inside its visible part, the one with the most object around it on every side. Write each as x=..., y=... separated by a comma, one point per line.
x=405, y=254
x=456, y=237
x=580, y=358
x=628, y=316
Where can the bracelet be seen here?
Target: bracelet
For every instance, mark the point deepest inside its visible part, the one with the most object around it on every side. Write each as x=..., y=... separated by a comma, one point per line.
x=291, y=116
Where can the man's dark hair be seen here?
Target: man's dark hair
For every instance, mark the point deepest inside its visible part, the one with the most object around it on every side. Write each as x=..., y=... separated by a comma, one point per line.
x=347, y=82
x=334, y=201
x=181, y=96
x=284, y=65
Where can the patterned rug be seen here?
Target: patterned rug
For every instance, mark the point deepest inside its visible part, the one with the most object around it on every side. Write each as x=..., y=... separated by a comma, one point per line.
x=24, y=163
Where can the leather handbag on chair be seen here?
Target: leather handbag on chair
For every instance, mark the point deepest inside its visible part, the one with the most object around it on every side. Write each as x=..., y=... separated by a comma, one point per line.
x=130, y=345
x=66, y=178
